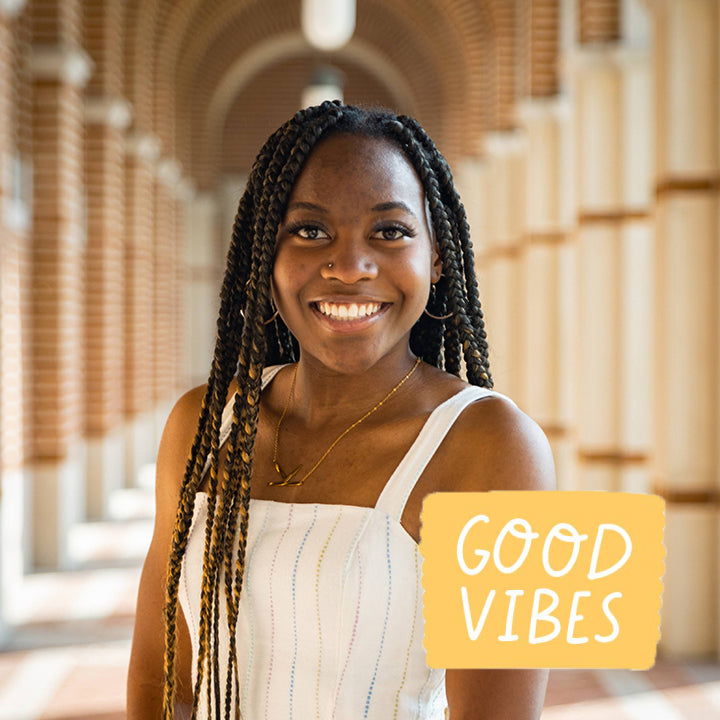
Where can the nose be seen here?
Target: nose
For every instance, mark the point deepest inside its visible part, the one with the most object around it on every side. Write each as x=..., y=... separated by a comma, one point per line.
x=350, y=262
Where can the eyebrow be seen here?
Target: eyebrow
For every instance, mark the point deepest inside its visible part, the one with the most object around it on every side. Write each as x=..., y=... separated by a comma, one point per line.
x=380, y=207
x=392, y=205
x=306, y=206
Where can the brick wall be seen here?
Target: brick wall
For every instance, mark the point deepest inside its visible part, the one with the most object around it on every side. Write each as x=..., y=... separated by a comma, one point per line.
x=538, y=46
x=104, y=278
x=58, y=251
x=599, y=21
x=138, y=305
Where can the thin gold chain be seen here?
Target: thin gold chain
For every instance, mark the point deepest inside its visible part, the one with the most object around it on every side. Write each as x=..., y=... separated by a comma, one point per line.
x=287, y=479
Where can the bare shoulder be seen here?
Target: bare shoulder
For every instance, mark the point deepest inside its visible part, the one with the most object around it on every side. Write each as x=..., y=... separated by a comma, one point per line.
x=183, y=418
x=175, y=444
x=495, y=446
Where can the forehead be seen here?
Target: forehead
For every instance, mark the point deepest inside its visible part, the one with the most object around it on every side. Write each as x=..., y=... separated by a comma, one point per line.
x=349, y=165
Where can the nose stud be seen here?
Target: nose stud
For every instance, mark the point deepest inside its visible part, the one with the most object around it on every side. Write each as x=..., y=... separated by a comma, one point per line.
x=330, y=266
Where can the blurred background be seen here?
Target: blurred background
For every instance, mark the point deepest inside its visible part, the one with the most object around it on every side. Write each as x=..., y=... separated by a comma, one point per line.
x=584, y=137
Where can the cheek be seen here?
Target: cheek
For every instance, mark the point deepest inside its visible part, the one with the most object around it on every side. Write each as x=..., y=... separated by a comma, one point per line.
x=418, y=270
x=287, y=277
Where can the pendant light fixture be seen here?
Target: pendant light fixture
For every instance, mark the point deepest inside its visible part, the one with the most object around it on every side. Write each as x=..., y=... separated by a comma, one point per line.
x=328, y=24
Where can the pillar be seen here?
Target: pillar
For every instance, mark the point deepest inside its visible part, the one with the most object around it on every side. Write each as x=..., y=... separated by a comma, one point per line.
x=548, y=269
x=60, y=70
x=202, y=289
x=165, y=277
x=107, y=117
x=686, y=321
x=612, y=88
x=505, y=186
x=14, y=266
x=142, y=151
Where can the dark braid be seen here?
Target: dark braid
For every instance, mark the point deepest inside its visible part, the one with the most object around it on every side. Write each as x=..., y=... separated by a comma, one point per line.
x=478, y=365
x=247, y=343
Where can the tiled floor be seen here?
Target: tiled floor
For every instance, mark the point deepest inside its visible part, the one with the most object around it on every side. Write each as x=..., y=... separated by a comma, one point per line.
x=66, y=659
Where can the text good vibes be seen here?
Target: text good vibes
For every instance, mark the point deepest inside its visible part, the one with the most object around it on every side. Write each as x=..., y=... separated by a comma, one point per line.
x=542, y=579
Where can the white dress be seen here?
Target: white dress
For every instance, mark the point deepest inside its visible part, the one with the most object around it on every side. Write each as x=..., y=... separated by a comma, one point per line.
x=331, y=619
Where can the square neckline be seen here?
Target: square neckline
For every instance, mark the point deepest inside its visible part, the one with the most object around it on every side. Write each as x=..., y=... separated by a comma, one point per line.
x=394, y=481
x=406, y=459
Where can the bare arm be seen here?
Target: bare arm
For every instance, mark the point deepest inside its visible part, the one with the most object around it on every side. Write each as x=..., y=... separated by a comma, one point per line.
x=146, y=671
x=513, y=455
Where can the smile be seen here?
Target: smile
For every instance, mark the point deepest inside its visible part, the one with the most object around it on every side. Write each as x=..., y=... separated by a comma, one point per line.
x=347, y=311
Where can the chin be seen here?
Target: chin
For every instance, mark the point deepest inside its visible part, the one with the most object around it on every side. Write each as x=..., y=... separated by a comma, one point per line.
x=356, y=358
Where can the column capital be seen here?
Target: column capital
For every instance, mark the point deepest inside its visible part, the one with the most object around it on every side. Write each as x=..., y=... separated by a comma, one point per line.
x=113, y=111
x=143, y=145
x=504, y=143
x=11, y=8
x=61, y=62
x=614, y=54
x=556, y=107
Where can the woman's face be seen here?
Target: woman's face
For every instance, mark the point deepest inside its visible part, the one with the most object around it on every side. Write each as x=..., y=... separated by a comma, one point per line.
x=355, y=255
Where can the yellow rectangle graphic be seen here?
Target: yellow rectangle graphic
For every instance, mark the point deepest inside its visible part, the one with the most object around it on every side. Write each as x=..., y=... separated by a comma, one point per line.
x=522, y=579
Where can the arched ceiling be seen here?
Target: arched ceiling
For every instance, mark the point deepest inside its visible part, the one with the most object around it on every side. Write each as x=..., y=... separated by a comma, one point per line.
x=248, y=125
x=181, y=55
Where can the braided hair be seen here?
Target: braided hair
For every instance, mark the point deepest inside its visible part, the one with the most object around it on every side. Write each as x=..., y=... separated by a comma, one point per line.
x=246, y=343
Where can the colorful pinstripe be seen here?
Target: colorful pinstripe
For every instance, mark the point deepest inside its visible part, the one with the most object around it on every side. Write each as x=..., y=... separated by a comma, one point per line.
x=330, y=622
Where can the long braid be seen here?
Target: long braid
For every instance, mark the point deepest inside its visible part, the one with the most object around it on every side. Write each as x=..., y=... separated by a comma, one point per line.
x=238, y=467
x=250, y=356
x=230, y=325
x=446, y=241
x=247, y=344
x=477, y=359
x=208, y=429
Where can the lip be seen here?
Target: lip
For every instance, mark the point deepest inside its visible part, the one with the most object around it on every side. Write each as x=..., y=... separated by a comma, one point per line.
x=349, y=325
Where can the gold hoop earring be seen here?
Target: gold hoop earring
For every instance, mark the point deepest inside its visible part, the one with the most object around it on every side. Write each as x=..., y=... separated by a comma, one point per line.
x=431, y=301
x=274, y=315
x=438, y=317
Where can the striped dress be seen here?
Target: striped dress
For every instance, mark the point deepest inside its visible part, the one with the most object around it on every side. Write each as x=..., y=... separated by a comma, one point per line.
x=331, y=618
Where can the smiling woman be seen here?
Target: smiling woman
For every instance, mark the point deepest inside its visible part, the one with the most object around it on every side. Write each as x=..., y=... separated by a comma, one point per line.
x=355, y=239
x=284, y=567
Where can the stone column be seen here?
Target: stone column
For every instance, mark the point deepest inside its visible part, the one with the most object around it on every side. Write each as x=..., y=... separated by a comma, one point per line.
x=612, y=87
x=203, y=286
x=165, y=273
x=142, y=151
x=185, y=194
x=106, y=117
x=504, y=177
x=15, y=207
x=549, y=261
x=686, y=328
x=60, y=71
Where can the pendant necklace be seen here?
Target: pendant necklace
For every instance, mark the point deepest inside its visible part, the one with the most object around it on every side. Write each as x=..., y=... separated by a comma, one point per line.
x=288, y=478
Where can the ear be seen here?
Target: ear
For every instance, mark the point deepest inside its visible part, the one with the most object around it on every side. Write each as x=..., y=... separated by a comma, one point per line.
x=436, y=269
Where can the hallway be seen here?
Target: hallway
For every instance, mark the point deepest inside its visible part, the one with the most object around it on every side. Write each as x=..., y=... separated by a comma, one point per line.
x=584, y=137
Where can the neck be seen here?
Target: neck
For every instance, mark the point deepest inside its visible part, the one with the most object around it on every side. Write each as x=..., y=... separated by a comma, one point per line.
x=324, y=395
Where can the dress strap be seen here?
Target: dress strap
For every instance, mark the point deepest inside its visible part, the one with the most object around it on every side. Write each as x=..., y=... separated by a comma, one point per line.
x=401, y=483
x=226, y=423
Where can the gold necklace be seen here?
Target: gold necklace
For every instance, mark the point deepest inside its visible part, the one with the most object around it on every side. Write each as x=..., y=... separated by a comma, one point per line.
x=287, y=479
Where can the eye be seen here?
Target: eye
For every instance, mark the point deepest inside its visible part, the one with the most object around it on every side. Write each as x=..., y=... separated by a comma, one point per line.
x=307, y=232
x=394, y=232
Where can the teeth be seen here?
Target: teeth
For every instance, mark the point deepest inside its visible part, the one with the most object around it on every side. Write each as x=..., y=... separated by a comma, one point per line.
x=349, y=311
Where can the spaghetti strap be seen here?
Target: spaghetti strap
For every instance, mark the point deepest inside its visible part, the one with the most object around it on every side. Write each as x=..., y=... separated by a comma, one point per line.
x=401, y=483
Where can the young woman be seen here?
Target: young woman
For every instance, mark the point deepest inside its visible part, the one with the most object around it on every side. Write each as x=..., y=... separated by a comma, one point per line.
x=334, y=405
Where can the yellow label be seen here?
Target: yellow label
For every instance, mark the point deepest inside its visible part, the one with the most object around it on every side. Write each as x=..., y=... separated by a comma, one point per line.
x=521, y=579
